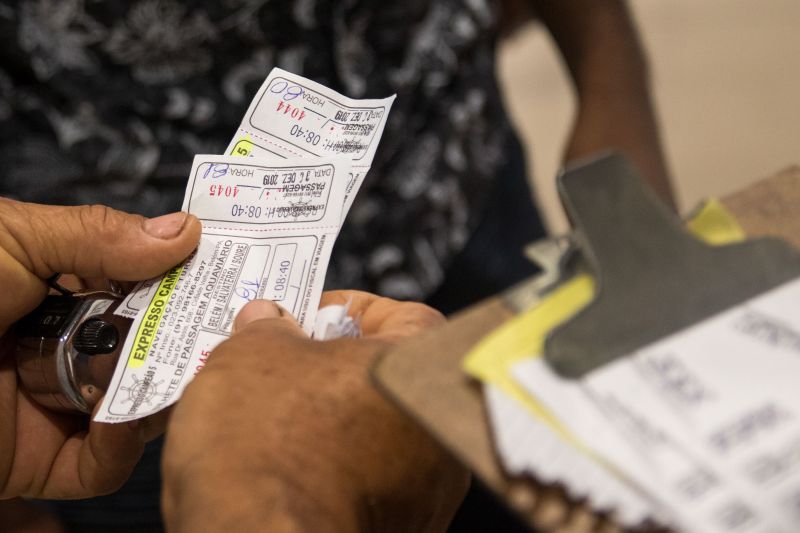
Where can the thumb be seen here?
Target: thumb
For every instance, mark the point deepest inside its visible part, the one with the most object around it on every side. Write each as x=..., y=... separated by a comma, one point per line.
x=259, y=312
x=95, y=241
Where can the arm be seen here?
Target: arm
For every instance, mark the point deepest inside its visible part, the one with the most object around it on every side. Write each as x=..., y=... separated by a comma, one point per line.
x=599, y=43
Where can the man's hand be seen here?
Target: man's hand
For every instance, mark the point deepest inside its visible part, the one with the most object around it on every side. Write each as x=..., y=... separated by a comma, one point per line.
x=283, y=433
x=49, y=455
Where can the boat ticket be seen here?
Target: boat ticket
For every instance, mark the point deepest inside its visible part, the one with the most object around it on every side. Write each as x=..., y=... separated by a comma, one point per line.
x=270, y=220
x=293, y=117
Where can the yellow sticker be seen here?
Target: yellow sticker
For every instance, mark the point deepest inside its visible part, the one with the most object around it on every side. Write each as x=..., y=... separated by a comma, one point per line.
x=244, y=147
x=715, y=224
x=152, y=320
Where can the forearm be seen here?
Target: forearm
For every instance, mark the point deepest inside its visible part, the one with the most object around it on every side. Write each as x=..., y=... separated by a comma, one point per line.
x=598, y=41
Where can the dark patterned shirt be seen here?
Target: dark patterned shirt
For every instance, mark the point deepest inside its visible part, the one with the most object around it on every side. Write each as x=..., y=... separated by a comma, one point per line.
x=106, y=101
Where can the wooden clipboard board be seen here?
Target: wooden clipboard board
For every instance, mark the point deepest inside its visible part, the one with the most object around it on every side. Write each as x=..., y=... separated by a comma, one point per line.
x=424, y=377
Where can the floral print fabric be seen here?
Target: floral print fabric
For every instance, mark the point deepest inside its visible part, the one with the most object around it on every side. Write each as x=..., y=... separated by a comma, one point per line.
x=106, y=101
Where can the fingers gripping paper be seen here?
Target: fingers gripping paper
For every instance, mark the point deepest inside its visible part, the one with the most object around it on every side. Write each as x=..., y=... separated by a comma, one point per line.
x=271, y=212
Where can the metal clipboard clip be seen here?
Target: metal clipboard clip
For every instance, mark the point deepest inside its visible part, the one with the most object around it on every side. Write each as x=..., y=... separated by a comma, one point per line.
x=652, y=277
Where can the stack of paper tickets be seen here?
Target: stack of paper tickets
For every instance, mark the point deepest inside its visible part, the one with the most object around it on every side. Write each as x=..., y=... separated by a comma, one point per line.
x=699, y=431
x=271, y=210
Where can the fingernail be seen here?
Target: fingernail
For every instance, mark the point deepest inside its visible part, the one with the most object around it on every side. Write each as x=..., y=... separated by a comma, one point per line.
x=257, y=310
x=166, y=226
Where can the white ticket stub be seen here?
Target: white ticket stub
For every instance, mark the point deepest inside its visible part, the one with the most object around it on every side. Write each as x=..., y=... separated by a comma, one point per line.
x=267, y=233
x=712, y=414
x=292, y=117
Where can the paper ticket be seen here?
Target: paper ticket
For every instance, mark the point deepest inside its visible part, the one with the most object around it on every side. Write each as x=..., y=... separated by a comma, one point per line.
x=270, y=219
x=292, y=116
x=268, y=231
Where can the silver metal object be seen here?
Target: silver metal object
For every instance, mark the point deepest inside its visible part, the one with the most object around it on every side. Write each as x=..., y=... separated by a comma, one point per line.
x=67, y=349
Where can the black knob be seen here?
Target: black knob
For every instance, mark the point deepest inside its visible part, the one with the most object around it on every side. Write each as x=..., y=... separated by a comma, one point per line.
x=95, y=337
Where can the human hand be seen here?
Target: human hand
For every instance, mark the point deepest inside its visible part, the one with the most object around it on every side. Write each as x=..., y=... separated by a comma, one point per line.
x=50, y=455
x=283, y=433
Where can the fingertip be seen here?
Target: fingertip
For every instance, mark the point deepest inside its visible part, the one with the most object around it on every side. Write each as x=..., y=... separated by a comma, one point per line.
x=159, y=244
x=109, y=454
x=165, y=226
x=420, y=317
x=192, y=228
x=172, y=225
x=428, y=316
x=257, y=310
x=396, y=320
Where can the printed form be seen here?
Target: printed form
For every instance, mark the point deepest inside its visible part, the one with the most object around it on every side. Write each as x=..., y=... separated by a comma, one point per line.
x=315, y=122
x=727, y=393
x=270, y=220
x=707, y=420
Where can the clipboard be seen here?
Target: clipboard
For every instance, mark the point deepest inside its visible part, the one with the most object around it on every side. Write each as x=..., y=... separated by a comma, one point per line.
x=424, y=376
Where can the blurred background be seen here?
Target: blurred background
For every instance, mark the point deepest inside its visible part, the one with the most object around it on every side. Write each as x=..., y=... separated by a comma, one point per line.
x=726, y=78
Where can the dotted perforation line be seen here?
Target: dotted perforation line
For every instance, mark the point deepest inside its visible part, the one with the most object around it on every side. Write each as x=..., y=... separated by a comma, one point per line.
x=307, y=228
x=270, y=142
x=257, y=136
